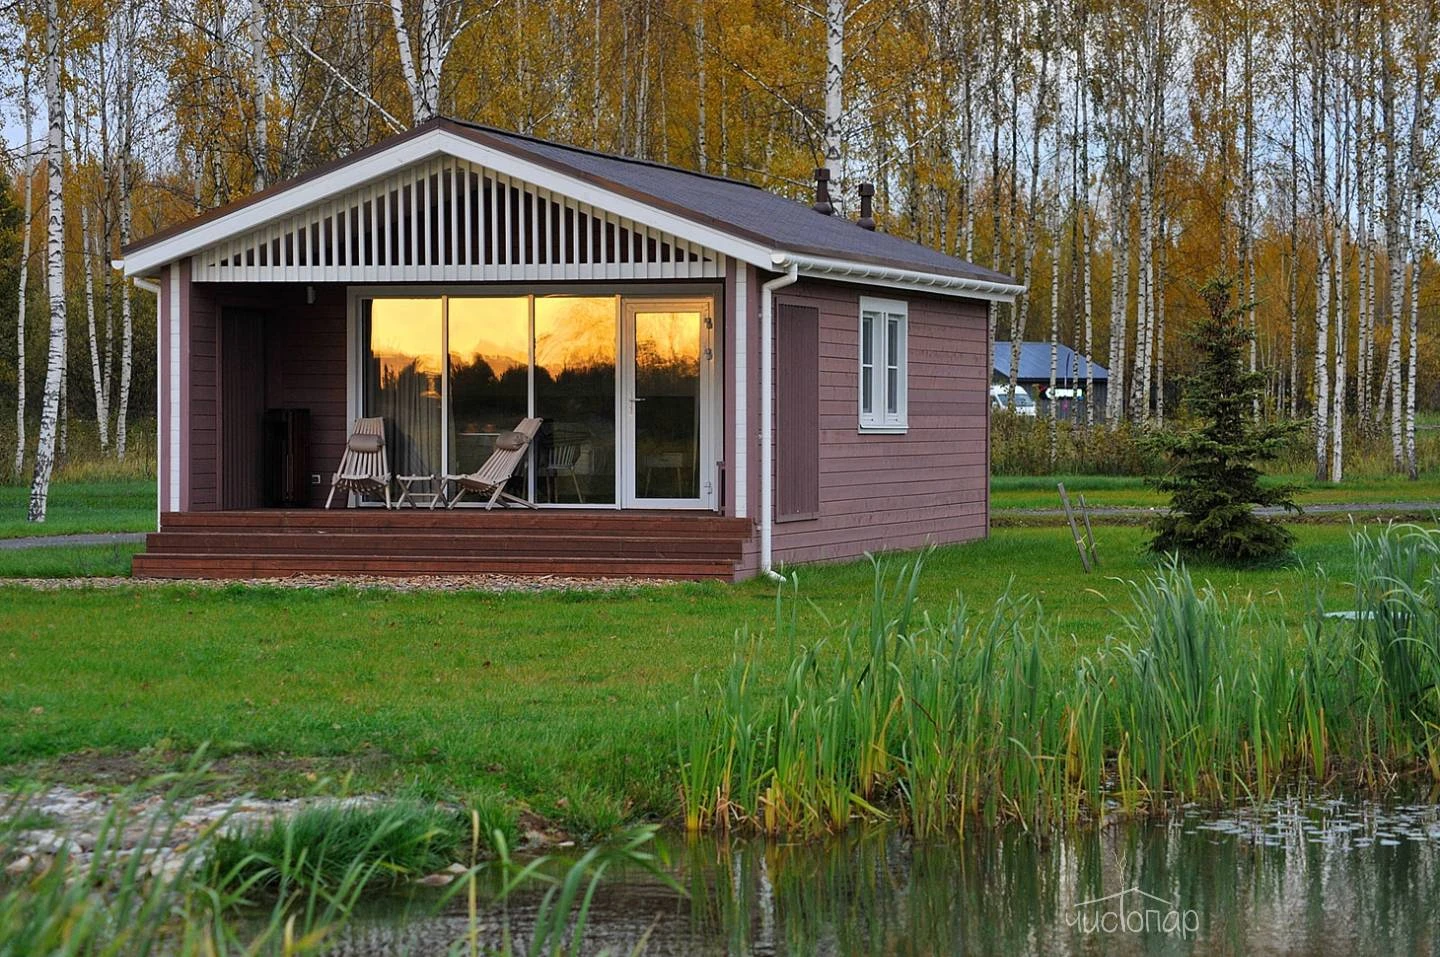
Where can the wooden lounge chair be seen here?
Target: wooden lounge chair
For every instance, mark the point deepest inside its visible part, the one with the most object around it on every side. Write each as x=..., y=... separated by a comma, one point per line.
x=363, y=468
x=490, y=478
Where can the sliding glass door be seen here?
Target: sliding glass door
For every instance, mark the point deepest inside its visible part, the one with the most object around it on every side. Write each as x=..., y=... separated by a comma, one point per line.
x=668, y=358
x=621, y=387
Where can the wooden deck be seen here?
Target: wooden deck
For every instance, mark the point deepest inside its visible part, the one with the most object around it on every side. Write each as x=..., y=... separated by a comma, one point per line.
x=275, y=543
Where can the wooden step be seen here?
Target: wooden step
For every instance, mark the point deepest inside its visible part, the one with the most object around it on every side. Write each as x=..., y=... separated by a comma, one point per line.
x=592, y=543
x=652, y=522
x=499, y=544
x=226, y=565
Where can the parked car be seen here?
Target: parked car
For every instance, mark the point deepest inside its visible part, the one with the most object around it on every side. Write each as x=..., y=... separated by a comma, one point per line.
x=1000, y=399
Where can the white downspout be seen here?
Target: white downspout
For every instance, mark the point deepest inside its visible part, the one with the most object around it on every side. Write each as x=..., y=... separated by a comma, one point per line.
x=767, y=414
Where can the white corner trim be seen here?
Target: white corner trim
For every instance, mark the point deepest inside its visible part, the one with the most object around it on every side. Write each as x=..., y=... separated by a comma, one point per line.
x=174, y=345
x=740, y=474
x=896, y=278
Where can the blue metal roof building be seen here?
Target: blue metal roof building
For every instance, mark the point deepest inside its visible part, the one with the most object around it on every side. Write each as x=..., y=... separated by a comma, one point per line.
x=1035, y=364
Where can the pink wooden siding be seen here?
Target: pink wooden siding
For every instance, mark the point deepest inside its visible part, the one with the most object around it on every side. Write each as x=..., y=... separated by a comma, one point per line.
x=797, y=411
x=897, y=491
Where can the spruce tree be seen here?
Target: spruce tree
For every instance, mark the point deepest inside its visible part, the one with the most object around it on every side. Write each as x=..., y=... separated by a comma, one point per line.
x=1214, y=480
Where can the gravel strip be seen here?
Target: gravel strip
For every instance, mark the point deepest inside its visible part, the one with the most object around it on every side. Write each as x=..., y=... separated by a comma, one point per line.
x=441, y=583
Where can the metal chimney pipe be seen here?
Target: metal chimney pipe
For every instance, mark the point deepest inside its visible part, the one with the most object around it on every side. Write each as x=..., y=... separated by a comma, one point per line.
x=822, y=202
x=867, y=211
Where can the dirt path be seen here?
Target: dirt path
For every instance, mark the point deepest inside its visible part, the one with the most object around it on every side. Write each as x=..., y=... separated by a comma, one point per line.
x=52, y=541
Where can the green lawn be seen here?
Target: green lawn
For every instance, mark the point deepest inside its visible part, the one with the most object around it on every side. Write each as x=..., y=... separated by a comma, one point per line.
x=563, y=699
x=68, y=561
x=107, y=506
x=1038, y=491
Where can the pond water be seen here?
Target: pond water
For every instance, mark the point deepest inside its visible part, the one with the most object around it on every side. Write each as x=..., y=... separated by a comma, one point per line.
x=1291, y=877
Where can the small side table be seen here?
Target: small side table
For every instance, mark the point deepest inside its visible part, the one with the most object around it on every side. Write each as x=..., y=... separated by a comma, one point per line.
x=418, y=490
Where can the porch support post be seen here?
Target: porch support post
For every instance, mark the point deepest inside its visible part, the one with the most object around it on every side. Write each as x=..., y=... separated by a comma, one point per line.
x=740, y=473
x=767, y=414
x=174, y=385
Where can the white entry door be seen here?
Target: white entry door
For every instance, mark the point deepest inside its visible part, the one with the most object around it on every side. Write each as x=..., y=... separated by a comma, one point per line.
x=667, y=403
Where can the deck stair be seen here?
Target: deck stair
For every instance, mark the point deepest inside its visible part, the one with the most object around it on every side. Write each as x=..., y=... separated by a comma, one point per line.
x=275, y=543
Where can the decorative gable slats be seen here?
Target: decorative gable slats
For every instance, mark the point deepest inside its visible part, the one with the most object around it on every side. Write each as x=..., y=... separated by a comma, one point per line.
x=449, y=220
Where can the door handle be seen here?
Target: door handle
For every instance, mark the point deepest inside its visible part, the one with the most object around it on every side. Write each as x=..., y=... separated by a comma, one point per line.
x=638, y=399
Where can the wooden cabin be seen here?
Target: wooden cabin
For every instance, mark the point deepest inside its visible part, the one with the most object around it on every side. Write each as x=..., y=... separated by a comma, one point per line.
x=728, y=380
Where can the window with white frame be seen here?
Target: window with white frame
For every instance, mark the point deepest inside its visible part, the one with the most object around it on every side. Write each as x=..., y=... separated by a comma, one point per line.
x=883, y=391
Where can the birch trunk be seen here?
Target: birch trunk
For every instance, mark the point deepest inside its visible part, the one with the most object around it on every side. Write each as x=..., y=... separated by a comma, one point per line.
x=1293, y=300
x=1086, y=244
x=55, y=269
x=1412, y=465
x=1022, y=312
x=24, y=281
x=701, y=144
x=596, y=78
x=1054, y=309
x=1247, y=202
x=1364, y=262
x=102, y=417
x=127, y=339
x=1120, y=304
x=834, y=92
x=1160, y=259
x=1322, y=258
x=1394, y=238
x=260, y=67
x=1419, y=121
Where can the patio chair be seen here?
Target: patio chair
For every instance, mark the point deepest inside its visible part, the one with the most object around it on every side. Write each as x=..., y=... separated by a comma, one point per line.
x=363, y=468
x=490, y=478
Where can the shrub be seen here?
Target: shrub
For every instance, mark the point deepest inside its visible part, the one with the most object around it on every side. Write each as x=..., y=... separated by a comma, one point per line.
x=1020, y=445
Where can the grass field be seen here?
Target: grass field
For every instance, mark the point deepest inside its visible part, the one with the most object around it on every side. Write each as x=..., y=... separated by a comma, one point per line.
x=112, y=505
x=563, y=700
x=1038, y=491
x=68, y=561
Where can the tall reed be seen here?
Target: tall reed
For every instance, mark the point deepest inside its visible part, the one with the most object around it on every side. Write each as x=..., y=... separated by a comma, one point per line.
x=938, y=720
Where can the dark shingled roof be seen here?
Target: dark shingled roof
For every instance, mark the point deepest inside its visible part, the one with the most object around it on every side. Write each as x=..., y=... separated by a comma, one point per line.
x=1035, y=363
x=737, y=207
x=730, y=206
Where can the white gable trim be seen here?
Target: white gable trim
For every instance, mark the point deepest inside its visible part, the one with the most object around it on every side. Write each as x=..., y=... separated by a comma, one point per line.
x=306, y=195
x=446, y=219
x=907, y=279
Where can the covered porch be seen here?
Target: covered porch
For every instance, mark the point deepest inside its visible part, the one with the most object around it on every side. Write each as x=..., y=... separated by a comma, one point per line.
x=624, y=378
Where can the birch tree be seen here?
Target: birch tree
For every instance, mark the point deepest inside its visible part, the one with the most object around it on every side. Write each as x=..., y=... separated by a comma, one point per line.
x=55, y=267
x=29, y=173
x=1043, y=106
x=424, y=49
x=1319, y=90
x=1394, y=230
x=126, y=135
x=1418, y=123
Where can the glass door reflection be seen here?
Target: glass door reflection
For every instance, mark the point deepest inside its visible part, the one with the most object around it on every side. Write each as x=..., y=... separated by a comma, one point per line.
x=667, y=352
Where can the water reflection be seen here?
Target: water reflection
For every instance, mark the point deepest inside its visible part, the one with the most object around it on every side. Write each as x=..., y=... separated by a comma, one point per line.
x=1316, y=880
